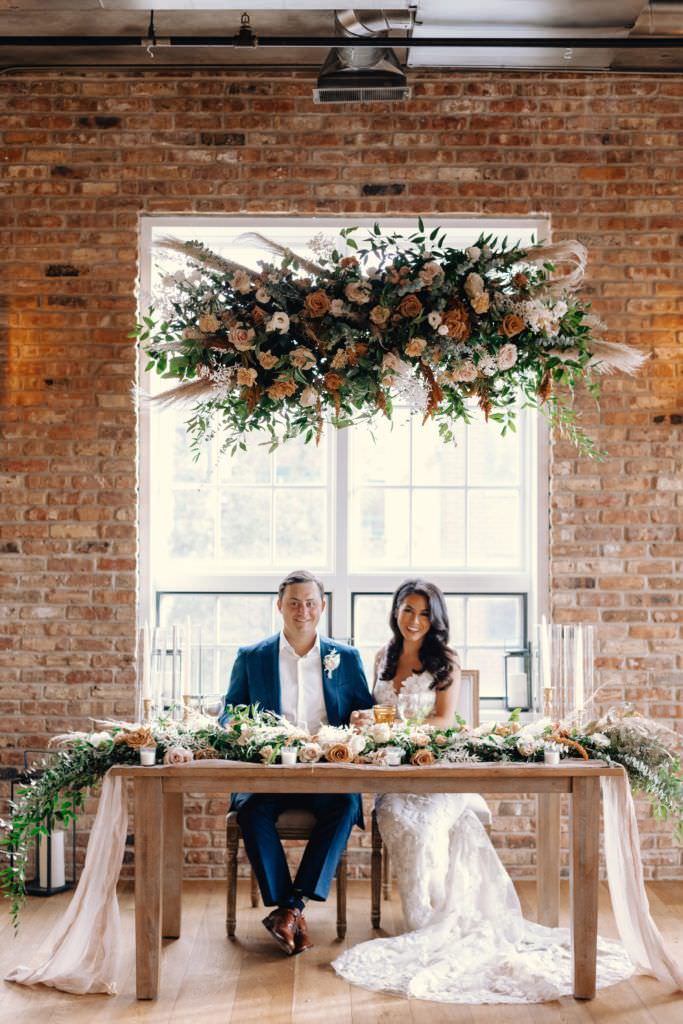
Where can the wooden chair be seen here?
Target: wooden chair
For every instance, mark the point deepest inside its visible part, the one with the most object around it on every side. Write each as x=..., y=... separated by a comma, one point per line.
x=290, y=825
x=380, y=866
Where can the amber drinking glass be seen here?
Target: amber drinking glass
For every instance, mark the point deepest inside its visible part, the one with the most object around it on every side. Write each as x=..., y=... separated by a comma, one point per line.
x=384, y=713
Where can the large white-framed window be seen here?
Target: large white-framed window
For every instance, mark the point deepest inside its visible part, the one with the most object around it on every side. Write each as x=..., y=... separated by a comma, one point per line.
x=363, y=511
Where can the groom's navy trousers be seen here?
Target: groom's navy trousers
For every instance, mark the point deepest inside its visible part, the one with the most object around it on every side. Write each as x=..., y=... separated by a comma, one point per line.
x=256, y=680
x=336, y=814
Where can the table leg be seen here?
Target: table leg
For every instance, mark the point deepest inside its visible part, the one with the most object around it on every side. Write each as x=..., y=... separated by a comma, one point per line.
x=585, y=862
x=173, y=865
x=548, y=859
x=149, y=828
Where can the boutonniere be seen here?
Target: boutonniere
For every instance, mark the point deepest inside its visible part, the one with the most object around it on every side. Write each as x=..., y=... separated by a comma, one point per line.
x=331, y=662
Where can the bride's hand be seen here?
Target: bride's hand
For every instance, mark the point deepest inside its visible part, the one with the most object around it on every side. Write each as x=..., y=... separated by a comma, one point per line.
x=361, y=718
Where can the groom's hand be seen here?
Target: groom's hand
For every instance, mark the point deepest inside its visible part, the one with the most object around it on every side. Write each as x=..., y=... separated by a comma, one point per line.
x=361, y=718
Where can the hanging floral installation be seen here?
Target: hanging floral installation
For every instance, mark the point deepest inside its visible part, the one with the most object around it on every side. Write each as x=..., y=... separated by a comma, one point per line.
x=375, y=324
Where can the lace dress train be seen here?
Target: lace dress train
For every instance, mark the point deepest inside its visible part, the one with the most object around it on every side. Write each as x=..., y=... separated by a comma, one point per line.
x=468, y=940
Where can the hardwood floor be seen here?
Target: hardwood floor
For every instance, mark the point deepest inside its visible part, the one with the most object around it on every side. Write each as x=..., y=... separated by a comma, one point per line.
x=207, y=978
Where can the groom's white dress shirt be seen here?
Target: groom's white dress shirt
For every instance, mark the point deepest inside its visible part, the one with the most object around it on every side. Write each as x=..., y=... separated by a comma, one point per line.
x=301, y=685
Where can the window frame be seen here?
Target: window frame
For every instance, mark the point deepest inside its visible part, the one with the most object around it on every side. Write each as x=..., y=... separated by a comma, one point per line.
x=342, y=585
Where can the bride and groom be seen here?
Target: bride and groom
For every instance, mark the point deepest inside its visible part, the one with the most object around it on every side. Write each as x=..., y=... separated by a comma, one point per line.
x=468, y=940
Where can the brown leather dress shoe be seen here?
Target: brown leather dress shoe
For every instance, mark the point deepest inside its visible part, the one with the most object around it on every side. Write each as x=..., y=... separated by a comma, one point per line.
x=282, y=923
x=301, y=939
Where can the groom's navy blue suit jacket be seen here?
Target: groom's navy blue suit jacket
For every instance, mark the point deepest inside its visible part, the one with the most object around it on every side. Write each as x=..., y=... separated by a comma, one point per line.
x=255, y=679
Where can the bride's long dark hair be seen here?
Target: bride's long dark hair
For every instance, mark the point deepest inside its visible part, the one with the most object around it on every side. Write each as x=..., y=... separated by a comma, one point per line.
x=435, y=654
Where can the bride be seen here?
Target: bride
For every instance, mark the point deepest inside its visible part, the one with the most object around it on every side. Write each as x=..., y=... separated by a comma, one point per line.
x=467, y=940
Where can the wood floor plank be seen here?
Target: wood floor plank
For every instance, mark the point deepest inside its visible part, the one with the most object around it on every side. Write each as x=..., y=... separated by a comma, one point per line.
x=204, y=976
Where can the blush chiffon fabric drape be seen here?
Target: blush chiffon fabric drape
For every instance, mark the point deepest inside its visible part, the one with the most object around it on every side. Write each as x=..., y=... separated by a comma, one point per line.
x=84, y=946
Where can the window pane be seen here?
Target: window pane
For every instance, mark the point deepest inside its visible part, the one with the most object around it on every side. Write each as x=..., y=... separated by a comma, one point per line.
x=300, y=528
x=244, y=618
x=192, y=525
x=174, y=609
x=380, y=528
x=494, y=540
x=255, y=466
x=245, y=528
x=494, y=620
x=438, y=529
x=491, y=670
x=185, y=469
x=299, y=463
x=456, y=616
x=371, y=619
x=435, y=462
x=384, y=459
x=493, y=460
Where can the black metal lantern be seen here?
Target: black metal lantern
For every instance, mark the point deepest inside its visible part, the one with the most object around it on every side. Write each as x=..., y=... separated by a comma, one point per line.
x=54, y=860
x=518, y=679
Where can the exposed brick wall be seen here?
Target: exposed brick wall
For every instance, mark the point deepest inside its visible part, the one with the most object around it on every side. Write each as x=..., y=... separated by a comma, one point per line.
x=84, y=154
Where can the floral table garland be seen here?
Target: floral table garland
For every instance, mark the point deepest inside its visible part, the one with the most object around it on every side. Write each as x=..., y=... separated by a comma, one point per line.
x=300, y=343
x=620, y=737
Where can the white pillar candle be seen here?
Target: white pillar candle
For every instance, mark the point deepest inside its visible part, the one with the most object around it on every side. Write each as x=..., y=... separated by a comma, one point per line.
x=551, y=756
x=288, y=755
x=148, y=755
x=578, y=668
x=393, y=756
x=146, y=688
x=57, y=874
x=517, y=690
x=174, y=664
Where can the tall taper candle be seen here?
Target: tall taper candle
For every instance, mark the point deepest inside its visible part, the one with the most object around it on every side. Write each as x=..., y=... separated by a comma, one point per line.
x=545, y=653
x=578, y=668
x=146, y=689
x=187, y=659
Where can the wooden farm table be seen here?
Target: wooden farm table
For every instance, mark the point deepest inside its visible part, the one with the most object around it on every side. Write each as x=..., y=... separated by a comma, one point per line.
x=159, y=833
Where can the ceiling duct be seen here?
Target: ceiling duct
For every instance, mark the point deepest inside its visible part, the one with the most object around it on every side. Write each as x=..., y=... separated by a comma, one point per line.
x=362, y=74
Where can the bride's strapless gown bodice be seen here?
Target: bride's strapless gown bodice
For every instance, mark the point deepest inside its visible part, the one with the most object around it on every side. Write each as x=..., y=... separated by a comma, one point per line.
x=467, y=940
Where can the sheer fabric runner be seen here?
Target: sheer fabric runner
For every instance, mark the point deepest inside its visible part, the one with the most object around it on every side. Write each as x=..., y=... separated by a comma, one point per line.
x=84, y=946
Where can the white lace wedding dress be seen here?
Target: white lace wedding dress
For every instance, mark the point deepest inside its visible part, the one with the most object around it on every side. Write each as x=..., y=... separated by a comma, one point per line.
x=468, y=941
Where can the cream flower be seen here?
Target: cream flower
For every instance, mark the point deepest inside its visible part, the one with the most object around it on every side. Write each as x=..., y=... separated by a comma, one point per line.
x=380, y=732
x=416, y=347
x=473, y=253
x=308, y=397
x=177, y=755
x=278, y=322
x=474, y=285
x=310, y=752
x=507, y=356
x=358, y=292
x=337, y=307
x=241, y=281
x=430, y=271
x=392, y=362
x=480, y=303
x=262, y=296
x=434, y=319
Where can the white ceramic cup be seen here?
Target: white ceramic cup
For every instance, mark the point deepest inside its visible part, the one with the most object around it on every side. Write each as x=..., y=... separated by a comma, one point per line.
x=288, y=755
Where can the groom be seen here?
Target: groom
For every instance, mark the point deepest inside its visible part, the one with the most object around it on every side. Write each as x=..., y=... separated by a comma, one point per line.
x=311, y=681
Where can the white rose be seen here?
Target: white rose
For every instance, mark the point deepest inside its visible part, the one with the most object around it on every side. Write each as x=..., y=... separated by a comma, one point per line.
x=99, y=739
x=507, y=356
x=380, y=733
x=434, y=319
x=278, y=322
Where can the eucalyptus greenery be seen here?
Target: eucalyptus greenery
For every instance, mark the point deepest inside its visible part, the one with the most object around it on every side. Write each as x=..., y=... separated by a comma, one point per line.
x=60, y=785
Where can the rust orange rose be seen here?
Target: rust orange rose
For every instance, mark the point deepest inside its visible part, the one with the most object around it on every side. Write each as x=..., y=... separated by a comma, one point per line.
x=246, y=378
x=317, y=303
x=416, y=347
x=511, y=325
x=348, y=261
x=339, y=753
x=409, y=307
x=206, y=754
x=281, y=389
x=457, y=321
x=340, y=359
x=333, y=381
x=258, y=315
x=136, y=738
x=422, y=757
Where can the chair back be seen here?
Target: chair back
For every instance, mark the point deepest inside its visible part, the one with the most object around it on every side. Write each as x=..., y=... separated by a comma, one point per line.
x=468, y=699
